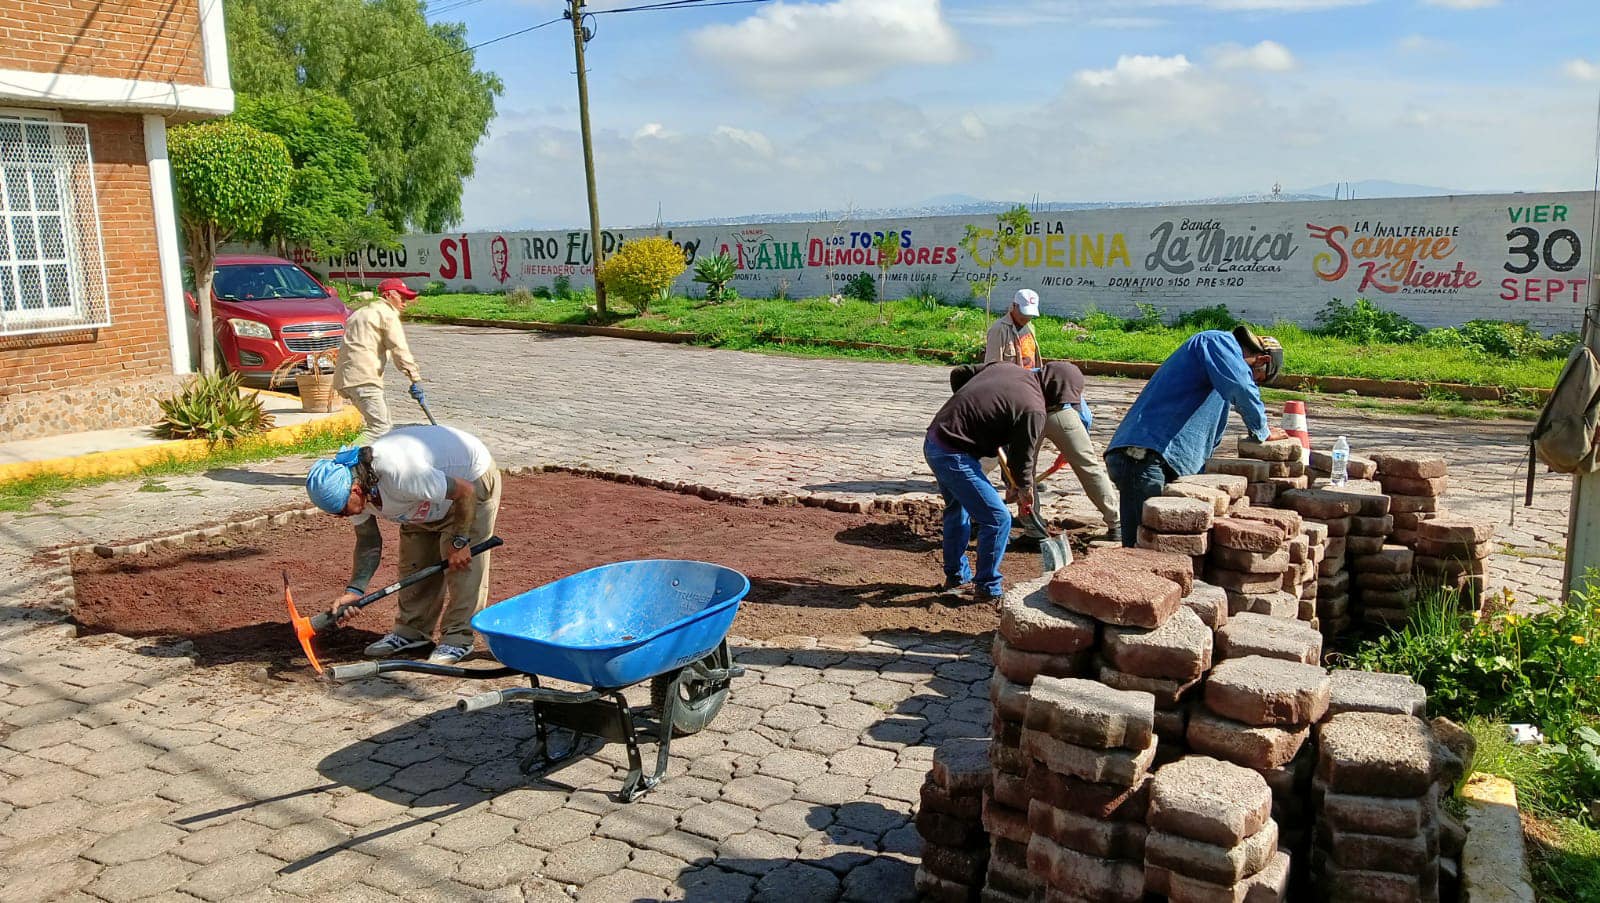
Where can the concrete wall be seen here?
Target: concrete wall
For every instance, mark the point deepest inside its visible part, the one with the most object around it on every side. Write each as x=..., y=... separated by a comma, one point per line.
x=1439, y=261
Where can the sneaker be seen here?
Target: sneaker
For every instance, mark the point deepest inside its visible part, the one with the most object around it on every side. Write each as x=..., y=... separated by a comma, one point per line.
x=1113, y=534
x=393, y=644
x=984, y=597
x=444, y=654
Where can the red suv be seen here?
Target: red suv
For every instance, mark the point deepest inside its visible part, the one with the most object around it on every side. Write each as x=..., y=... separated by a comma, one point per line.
x=266, y=310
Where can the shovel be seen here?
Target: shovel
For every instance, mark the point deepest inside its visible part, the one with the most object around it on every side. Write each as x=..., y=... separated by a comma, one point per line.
x=307, y=628
x=1054, y=553
x=423, y=404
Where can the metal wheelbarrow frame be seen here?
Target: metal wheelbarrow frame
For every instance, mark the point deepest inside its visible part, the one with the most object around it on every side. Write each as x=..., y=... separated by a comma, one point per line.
x=687, y=689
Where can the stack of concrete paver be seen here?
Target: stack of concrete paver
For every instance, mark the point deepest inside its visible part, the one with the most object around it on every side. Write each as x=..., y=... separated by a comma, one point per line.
x=1248, y=559
x=1377, y=798
x=1167, y=662
x=1332, y=609
x=1454, y=551
x=1258, y=714
x=1233, y=486
x=955, y=847
x=1335, y=513
x=1356, y=466
x=1384, y=585
x=1036, y=637
x=1258, y=474
x=1092, y=747
x=1177, y=524
x=1286, y=467
x=1300, y=575
x=1414, y=482
x=1211, y=835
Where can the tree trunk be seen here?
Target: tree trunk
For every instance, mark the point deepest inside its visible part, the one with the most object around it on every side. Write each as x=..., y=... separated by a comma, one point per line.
x=203, y=257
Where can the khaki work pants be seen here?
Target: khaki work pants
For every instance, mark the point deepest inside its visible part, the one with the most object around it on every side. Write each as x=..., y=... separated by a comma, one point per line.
x=424, y=605
x=1065, y=430
x=374, y=410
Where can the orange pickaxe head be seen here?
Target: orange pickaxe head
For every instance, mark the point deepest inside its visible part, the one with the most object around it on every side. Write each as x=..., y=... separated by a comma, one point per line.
x=303, y=631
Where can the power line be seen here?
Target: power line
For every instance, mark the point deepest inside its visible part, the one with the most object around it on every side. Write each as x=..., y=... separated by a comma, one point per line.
x=676, y=4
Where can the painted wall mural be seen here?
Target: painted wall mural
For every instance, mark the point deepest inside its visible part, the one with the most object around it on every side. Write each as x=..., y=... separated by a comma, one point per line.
x=1439, y=261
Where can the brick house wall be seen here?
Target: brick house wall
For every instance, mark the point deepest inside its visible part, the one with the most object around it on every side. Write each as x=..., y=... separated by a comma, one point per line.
x=149, y=40
x=125, y=70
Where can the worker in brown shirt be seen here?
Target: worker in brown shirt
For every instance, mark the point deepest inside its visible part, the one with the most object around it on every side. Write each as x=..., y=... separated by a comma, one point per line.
x=372, y=335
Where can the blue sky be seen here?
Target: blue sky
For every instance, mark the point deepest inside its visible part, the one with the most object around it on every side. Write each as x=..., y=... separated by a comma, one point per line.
x=795, y=106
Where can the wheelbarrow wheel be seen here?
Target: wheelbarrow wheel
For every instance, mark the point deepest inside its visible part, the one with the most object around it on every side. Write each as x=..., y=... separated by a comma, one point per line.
x=699, y=701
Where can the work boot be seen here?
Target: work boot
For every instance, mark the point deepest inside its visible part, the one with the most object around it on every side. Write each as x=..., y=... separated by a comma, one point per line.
x=1113, y=533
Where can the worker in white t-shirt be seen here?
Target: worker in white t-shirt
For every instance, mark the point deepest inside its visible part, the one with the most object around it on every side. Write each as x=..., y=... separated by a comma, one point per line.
x=440, y=484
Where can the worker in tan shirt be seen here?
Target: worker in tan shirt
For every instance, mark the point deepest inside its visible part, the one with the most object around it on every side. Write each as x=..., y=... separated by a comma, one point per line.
x=371, y=335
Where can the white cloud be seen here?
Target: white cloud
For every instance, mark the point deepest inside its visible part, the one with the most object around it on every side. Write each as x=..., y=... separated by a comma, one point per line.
x=1417, y=43
x=650, y=130
x=1133, y=69
x=1463, y=4
x=745, y=139
x=789, y=45
x=1267, y=56
x=1582, y=70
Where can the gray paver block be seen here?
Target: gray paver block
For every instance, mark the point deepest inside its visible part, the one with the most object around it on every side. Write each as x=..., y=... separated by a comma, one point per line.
x=1243, y=744
x=139, y=879
x=501, y=865
x=883, y=880
x=624, y=885
x=758, y=792
x=1373, y=691
x=585, y=860
x=962, y=765
x=232, y=878
x=1030, y=622
x=1023, y=667
x=1191, y=544
x=796, y=881
x=1248, y=633
x=1270, y=885
x=1210, y=602
x=717, y=821
x=1377, y=853
x=1166, y=514
x=1166, y=693
x=713, y=883
x=1115, y=595
x=1212, y=862
x=1089, y=713
x=1262, y=691
x=133, y=844
x=1209, y=800
x=1381, y=815
x=473, y=831
x=48, y=884
x=1377, y=755
x=756, y=852
x=1180, y=649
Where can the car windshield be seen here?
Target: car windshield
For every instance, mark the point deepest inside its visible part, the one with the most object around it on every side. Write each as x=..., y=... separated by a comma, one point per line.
x=265, y=281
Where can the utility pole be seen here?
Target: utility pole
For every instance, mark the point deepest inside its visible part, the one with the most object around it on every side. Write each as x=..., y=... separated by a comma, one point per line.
x=575, y=13
x=1583, y=512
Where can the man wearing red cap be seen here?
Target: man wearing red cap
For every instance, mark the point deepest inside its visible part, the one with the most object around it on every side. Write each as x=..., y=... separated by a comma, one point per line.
x=371, y=335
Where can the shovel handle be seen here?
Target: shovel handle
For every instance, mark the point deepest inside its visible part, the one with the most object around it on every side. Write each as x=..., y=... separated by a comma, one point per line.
x=424, y=406
x=329, y=618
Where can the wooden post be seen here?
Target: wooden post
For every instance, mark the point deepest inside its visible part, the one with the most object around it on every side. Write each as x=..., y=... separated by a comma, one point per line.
x=596, y=250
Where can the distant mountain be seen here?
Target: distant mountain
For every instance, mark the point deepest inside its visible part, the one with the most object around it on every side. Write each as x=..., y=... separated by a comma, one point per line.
x=1380, y=188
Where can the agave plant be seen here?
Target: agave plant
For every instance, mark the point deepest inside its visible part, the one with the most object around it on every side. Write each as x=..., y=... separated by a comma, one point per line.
x=715, y=272
x=212, y=407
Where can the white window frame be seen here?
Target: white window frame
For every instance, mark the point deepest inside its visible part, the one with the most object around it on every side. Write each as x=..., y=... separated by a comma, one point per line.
x=81, y=254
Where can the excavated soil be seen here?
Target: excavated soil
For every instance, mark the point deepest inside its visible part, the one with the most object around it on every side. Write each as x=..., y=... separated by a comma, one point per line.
x=813, y=572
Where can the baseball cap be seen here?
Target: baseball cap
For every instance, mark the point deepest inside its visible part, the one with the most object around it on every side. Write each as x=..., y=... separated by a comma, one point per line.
x=1027, y=301
x=1261, y=344
x=396, y=285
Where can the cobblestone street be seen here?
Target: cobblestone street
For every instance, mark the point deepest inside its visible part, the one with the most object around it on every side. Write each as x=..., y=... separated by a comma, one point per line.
x=129, y=773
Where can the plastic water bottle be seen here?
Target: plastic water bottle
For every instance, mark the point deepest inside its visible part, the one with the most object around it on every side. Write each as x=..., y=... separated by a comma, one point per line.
x=1341, y=462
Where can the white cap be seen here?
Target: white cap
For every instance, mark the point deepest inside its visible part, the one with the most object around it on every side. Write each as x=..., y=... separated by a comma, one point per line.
x=1027, y=301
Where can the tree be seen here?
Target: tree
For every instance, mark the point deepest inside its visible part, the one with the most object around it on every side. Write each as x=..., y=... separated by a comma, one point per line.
x=330, y=191
x=987, y=246
x=411, y=86
x=887, y=244
x=642, y=270
x=228, y=177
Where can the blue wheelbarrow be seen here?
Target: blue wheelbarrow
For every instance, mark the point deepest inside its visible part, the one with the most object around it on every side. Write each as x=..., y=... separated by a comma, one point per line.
x=607, y=628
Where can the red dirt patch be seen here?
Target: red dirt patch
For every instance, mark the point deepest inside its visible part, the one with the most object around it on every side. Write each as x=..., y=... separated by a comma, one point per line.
x=813, y=572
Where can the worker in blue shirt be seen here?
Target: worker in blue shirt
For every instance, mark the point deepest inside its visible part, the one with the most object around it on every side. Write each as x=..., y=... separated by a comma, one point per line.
x=1180, y=417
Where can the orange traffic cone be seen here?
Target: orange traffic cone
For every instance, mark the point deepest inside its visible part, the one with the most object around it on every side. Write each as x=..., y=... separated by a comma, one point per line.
x=1294, y=423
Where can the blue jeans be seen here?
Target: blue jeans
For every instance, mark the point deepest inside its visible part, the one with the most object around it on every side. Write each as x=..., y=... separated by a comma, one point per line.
x=1137, y=482
x=969, y=498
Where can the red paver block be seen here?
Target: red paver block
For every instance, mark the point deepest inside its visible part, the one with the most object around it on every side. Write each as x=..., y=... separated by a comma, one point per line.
x=1004, y=822
x=1238, y=560
x=1091, y=877
x=1359, y=546
x=1398, y=599
x=1024, y=668
x=1412, y=521
x=1413, y=504
x=1450, y=567
x=1008, y=698
x=1178, y=650
x=1238, y=581
x=948, y=830
x=1234, y=741
x=961, y=765
x=963, y=866
x=1270, y=885
x=1210, y=800
x=1217, y=498
x=1176, y=567
x=1124, y=596
x=1190, y=544
x=1234, y=486
x=1104, y=802
x=1086, y=834
x=1322, y=504
x=1276, y=604
x=1248, y=634
x=1377, y=853
x=1271, y=450
x=1124, y=767
x=1373, y=754
x=1177, y=515
x=966, y=806
x=1409, y=465
x=1433, y=548
x=1299, y=549
x=1262, y=691
x=1211, y=862
x=1252, y=471
x=1435, y=486
x=1167, y=693
x=1247, y=535
x=1390, y=559
x=1210, y=602
x=1089, y=713
x=1263, y=493
x=1377, y=815
x=1381, y=525
x=1030, y=622
x=1366, y=580
x=934, y=889
x=1316, y=533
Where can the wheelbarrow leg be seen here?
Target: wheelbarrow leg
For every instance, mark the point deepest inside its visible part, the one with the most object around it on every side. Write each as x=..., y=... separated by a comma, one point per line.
x=540, y=757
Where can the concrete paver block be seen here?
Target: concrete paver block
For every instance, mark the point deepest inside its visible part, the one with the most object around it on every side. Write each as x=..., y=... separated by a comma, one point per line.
x=1379, y=815
x=1322, y=504
x=1242, y=582
x=1270, y=885
x=1248, y=634
x=1252, y=471
x=1024, y=668
x=1373, y=691
x=1288, y=521
x=1178, y=650
x=1213, y=862
x=1273, y=563
x=1272, y=450
x=1167, y=693
x=1235, y=486
x=1247, y=535
x=1124, y=767
x=1086, y=834
x=1191, y=544
x=1373, y=754
x=1089, y=713
x=1096, y=800
x=961, y=766
x=1125, y=597
x=1210, y=602
x=1217, y=498
x=1176, y=567
x=1030, y=622
x=1242, y=744
x=1209, y=800
x=1095, y=878
x=1409, y=465
x=1166, y=514
x=1258, y=691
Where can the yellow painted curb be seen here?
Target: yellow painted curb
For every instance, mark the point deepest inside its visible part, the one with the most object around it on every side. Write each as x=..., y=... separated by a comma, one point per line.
x=130, y=460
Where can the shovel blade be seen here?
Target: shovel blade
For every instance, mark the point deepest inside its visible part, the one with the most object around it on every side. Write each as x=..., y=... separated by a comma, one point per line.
x=303, y=631
x=1054, y=554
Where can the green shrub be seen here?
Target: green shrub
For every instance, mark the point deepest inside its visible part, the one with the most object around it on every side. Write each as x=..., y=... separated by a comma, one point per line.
x=1205, y=318
x=1095, y=320
x=541, y=292
x=561, y=287
x=520, y=298
x=1149, y=319
x=211, y=407
x=1514, y=341
x=1542, y=668
x=1366, y=323
x=715, y=272
x=433, y=288
x=861, y=287
x=642, y=270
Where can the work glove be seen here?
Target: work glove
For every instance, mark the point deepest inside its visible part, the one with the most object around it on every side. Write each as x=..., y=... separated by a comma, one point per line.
x=416, y=392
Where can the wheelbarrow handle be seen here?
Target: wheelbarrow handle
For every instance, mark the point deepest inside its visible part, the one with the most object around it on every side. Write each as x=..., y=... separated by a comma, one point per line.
x=329, y=618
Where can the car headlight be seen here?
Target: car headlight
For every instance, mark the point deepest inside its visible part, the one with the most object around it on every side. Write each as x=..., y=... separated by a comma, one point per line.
x=250, y=329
